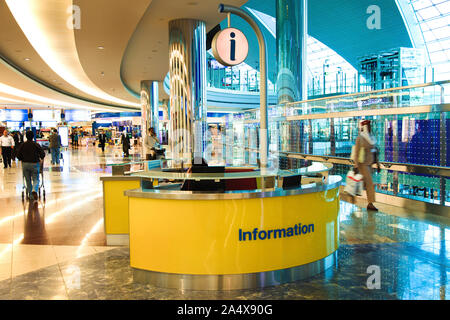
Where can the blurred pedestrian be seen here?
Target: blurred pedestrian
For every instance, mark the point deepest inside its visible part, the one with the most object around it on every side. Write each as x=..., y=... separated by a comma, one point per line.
x=364, y=156
x=125, y=144
x=55, y=146
x=7, y=144
x=102, y=140
x=17, y=143
x=31, y=154
x=75, y=138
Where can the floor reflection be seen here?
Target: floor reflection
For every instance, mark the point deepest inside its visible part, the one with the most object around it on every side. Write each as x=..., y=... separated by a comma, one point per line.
x=34, y=225
x=412, y=250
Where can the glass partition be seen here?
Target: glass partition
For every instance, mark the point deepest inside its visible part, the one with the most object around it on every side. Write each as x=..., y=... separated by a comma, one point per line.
x=314, y=169
x=411, y=125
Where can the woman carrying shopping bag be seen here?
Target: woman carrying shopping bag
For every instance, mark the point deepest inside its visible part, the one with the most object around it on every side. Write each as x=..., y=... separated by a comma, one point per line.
x=364, y=155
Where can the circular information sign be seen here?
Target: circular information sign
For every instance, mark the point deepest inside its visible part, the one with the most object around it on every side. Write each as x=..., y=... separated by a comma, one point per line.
x=230, y=47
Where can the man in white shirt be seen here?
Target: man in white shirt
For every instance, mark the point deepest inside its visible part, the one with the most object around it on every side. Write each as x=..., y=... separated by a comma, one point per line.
x=7, y=144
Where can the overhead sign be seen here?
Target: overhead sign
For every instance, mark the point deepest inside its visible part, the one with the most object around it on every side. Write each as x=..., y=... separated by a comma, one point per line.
x=230, y=47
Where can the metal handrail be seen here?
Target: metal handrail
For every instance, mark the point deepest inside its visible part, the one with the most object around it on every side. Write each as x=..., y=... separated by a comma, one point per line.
x=442, y=107
x=393, y=166
x=428, y=84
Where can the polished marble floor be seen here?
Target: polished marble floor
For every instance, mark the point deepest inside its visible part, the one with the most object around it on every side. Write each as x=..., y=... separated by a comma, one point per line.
x=55, y=249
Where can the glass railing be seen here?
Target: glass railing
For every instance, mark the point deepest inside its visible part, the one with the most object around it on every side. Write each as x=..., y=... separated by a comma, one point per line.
x=410, y=96
x=315, y=168
x=236, y=79
x=128, y=167
x=411, y=126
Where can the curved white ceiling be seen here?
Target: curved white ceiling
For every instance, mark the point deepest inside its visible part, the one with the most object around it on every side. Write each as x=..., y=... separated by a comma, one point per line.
x=147, y=53
x=54, y=41
x=11, y=94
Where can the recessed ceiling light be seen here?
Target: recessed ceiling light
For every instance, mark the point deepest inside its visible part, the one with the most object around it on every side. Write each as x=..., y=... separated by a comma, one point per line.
x=27, y=59
x=100, y=47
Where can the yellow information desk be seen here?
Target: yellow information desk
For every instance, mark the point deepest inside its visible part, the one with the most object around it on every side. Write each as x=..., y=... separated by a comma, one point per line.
x=235, y=239
x=115, y=203
x=115, y=207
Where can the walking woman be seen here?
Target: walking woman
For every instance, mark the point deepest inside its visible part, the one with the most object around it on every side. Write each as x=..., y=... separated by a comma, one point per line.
x=364, y=156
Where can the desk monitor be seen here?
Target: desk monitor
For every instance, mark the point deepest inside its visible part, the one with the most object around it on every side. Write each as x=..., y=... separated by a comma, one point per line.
x=205, y=185
x=292, y=182
x=179, y=170
x=208, y=169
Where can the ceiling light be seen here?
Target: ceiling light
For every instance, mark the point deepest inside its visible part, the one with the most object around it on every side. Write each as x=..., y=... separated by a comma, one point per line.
x=23, y=95
x=27, y=59
x=55, y=43
x=100, y=47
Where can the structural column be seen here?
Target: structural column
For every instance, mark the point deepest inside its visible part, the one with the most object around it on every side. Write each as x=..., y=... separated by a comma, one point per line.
x=149, y=111
x=291, y=40
x=291, y=50
x=187, y=69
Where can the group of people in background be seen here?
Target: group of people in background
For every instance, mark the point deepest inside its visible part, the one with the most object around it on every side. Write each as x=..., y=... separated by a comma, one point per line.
x=125, y=140
x=31, y=154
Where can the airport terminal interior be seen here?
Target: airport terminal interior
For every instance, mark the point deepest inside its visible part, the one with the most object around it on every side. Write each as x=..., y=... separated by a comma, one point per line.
x=238, y=150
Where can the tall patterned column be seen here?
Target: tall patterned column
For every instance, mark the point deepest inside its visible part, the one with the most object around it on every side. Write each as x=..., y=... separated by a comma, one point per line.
x=149, y=110
x=187, y=69
x=291, y=25
x=292, y=35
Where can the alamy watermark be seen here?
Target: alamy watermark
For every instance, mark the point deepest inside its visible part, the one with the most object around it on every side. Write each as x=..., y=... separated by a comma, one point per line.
x=374, y=280
x=374, y=20
x=74, y=277
x=74, y=19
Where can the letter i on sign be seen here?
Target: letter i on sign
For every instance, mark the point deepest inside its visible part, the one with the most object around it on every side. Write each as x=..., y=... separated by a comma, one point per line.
x=232, y=47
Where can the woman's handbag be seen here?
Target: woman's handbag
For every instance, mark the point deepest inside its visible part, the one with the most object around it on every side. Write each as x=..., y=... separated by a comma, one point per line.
x=354, y=182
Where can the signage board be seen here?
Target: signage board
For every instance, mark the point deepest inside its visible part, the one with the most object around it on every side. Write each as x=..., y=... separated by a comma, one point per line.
x=46, y=115
x=77, y=115
x=13, y=115
x=230, y=47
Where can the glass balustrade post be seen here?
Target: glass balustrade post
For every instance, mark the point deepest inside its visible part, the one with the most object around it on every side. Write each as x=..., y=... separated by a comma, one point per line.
x=395, y=154
x=332, y=138
x=443, y=155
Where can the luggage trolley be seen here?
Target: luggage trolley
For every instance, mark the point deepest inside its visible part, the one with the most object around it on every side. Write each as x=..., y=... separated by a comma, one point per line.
x=41, y=183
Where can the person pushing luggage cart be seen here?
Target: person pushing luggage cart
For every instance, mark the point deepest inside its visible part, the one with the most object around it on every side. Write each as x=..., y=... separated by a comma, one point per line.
x=32, y=156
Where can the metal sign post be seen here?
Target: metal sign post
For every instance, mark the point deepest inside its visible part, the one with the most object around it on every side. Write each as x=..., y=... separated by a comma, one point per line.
x=263, y=131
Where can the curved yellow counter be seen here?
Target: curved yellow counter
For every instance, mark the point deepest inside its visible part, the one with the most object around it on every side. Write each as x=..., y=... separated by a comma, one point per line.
x=233, y=240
